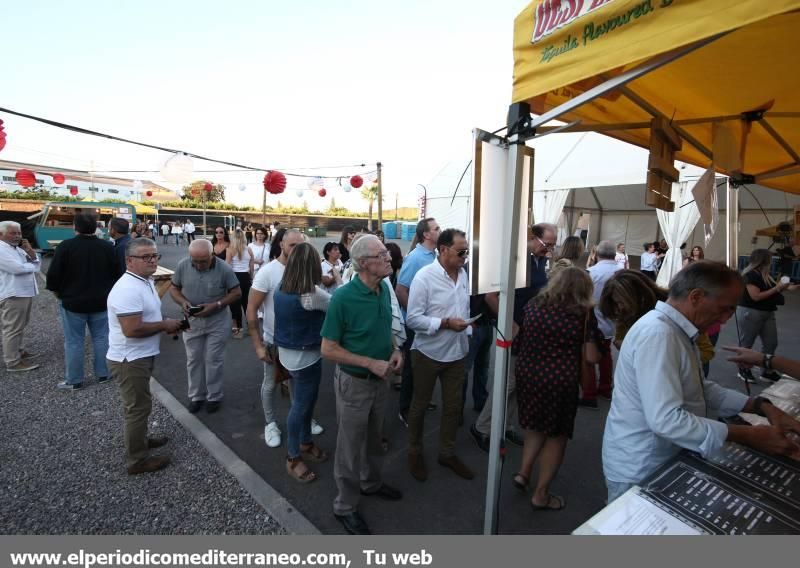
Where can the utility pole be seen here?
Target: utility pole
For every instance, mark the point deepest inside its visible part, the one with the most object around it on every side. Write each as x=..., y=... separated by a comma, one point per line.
x=380, y=199
x=395, y=206
x=264, y=210
x=205, y=198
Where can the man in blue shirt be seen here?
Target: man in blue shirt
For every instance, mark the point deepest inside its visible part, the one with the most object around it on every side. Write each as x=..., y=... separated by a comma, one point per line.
x=422, y=255
x=661, y=398
x=119, y=229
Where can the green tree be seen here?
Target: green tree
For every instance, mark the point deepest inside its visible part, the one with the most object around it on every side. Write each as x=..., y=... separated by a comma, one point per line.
x=370, y=193
x=195, y=190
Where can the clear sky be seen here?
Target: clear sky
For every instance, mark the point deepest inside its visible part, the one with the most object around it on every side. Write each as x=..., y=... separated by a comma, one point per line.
x=286, y=85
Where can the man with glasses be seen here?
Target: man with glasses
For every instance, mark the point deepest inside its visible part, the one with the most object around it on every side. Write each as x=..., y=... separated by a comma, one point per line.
x=357, y=335
x=203, y=281
x=262, y=297
x=438, y=307
x=81, y=275
x=423, y=254
x=541, y=242
x=134, y=323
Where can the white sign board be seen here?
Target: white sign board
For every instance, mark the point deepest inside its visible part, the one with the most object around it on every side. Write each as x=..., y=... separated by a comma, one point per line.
x=490, y=182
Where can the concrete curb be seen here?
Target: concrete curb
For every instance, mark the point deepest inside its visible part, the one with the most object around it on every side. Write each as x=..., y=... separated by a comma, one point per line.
x=284, y=513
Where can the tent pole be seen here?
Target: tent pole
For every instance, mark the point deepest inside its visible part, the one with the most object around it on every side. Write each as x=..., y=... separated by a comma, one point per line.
x=732, y=224
x=505, y=319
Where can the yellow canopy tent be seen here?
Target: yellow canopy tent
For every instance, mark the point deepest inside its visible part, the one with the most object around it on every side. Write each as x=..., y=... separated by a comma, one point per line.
x=695, y=62
x=142, y=209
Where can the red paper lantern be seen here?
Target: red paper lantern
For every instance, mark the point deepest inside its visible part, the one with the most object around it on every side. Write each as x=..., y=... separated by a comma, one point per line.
x=2, y=140
x=59, y=179
x=26, y=178
x=322, y=192
x=149, y=193
x=356, y=181
x=73, y=191
x=274, y=182
x=208, y=187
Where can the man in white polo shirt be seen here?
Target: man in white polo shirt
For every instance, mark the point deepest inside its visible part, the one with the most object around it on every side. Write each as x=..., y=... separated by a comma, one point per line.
x=438, y=305
x=134, y=322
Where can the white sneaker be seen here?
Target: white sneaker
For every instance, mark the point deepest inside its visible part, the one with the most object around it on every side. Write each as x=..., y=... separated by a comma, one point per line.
x=316, y=429
x=272, y=435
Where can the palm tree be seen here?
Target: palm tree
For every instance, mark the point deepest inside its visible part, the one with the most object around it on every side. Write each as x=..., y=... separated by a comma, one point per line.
x=370, y=193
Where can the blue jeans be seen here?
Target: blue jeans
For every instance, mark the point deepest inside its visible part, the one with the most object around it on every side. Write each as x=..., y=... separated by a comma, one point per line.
x=305, y=388
x=74, y=333
x=480, y=343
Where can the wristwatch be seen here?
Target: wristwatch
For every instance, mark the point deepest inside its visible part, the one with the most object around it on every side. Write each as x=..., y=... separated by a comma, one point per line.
x=768, y=361
x=759, y=402
x=219, y=304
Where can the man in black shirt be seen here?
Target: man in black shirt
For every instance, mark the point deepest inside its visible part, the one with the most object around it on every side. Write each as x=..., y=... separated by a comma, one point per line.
x=81, y=275
x=119, y=230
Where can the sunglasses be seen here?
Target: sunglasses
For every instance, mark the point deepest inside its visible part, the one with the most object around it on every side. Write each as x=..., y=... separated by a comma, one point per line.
x=461, y=253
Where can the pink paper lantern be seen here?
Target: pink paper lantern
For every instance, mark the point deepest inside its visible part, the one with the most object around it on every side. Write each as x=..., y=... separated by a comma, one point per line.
x=356, y=181
x=274, y=182
x=26, y=178
x=59, y=179
x=322, y=192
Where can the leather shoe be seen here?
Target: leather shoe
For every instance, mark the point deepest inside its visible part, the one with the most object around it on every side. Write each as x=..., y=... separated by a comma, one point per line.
x=480, y=438
x=156, y=442
x=385, y=492
x=213, y=405
x=148, y=465
x=416, y=465
x=454, y=463
x=196, y=405
x=353, y=523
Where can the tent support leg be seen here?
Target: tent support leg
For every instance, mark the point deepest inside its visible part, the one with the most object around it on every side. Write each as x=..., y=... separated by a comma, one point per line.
x=505, y=319
x=732, y=225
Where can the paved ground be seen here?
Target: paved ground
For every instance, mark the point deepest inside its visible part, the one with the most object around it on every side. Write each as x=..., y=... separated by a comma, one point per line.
x=443, y=504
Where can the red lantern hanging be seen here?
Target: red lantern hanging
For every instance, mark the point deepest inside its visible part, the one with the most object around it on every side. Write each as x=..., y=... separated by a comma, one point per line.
x=2, y=136
x=73, y=191
x=26, y=178
x=59, y=179
x=322, y=192
x=149, y=193
x=356, y=181
x=208, y=187
x=274, y=182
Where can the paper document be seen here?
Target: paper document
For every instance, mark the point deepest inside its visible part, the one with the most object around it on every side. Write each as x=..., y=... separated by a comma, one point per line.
x=637, y=516
x=476, y=318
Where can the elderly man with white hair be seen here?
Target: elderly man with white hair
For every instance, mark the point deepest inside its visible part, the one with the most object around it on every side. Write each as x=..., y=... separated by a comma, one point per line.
x=19, y=264
x=204, y=287
x=357, y=335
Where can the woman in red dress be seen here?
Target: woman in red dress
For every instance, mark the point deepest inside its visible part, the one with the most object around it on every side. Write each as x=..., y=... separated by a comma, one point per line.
x=558, y=333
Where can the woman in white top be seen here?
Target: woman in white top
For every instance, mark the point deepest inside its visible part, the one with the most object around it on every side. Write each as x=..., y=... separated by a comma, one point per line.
x=241, y=260
x=331, y=267
x=177, y=230
x=259, y=249
x=649, y=260
x=621, y=258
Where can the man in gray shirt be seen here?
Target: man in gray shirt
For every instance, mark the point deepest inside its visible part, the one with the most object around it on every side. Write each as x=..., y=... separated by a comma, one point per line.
x=203, y=281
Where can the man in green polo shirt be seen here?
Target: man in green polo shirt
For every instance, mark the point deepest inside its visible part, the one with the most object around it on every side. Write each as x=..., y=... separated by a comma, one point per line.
x=357, y=334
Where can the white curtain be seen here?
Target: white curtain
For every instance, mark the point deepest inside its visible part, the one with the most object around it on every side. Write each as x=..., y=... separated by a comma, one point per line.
x=548, y=205
x=676, y=228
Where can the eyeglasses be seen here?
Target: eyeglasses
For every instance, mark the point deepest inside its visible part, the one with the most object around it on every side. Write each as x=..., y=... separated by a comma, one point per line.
x=548, y=246
x=147, y=257
x=383, y=254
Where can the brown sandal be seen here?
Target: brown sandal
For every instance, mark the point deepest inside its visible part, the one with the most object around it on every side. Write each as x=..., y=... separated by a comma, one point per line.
x=298, y=469
x=313, y=453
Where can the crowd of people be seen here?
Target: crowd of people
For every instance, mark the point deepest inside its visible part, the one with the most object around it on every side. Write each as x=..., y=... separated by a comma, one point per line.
x=376, y=314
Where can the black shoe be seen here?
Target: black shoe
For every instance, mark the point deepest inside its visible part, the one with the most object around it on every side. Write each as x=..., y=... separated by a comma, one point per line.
x=515, y=438
x=148, y=465
x=385, y=492
x=747, y=376
x=213, y=405
x=196, y=405
x=403, y=416
x=770, y=377
x=102, y=380
x=156, y=441
x=431, y=407
x=353, y=523
x=481, y=439
x=588, y=403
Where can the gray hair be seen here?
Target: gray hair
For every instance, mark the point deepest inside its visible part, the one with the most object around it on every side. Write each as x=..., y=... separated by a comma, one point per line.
x=201, y=244
x=606, y=250
x=360, y=250
x=140, y=242
x=6, y=225
x=712, y=277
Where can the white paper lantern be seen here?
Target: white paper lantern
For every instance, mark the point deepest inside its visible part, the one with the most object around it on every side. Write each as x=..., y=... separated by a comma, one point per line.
x=300, y=193
x=137, y=185
x=315, y=184
x=178, y=168
x=242, y=187
x=347, y=187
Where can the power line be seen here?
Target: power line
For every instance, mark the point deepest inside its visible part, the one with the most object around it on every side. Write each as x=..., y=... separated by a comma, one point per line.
x=80, y=130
